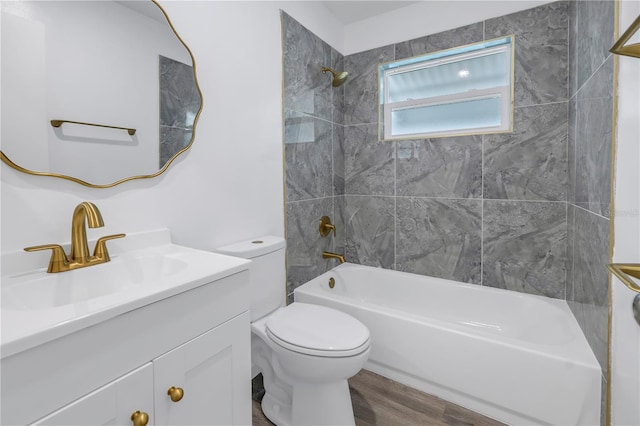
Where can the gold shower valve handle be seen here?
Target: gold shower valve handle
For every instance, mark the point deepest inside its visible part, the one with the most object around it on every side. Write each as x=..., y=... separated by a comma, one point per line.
x=140, y=418
x=175, y=393
x=326, y=226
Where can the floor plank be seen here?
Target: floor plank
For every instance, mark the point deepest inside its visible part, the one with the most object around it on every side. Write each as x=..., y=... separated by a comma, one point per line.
x=258, y=418
x=379, y=401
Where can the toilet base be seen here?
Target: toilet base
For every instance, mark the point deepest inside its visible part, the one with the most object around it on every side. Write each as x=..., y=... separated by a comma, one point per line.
x=312, y=404
x=279, y=414
x=322, y=403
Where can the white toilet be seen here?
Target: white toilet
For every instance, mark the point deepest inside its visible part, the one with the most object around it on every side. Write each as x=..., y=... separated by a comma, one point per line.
x=305, y=352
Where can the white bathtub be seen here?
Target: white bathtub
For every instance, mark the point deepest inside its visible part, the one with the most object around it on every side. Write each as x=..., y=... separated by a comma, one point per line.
x=517, y=358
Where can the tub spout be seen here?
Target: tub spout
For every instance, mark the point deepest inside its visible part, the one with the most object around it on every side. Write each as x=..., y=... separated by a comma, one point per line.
x=329, y=255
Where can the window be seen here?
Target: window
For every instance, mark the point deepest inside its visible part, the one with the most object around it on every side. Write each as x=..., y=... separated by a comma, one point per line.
x=465, y=90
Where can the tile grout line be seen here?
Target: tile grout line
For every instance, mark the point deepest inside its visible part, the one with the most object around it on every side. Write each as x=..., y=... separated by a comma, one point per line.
x=482, y=215
x=589, y=211
x=513, y=200
x=569, y=178
x=482, y=171
x=395, y=201
x=333, y=174
x=395, y=205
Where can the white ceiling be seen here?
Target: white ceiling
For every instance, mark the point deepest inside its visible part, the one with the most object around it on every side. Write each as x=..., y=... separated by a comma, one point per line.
x=348, y=12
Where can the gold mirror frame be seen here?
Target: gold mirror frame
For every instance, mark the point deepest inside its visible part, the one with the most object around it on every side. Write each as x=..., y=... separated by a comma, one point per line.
x=8, y=161
x=632, y=50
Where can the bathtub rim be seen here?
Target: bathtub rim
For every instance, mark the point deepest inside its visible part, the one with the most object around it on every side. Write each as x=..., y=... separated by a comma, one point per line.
x=580, y=351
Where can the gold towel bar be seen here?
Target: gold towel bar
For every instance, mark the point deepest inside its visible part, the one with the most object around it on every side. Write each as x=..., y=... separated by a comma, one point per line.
x=625, y=271
x=58, y=123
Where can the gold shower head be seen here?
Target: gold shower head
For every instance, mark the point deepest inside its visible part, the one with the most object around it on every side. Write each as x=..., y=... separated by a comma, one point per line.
x=338, y=77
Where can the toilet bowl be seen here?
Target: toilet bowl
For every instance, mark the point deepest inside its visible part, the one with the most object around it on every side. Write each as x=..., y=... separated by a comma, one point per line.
x=305, y=352
x=312, y=351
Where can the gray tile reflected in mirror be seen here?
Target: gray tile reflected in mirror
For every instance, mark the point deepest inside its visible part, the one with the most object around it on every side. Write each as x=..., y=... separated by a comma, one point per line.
x=179, y=105
x=172, y=141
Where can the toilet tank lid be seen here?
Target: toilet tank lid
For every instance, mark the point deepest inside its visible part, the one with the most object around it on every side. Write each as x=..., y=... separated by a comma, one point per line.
x=254, y=247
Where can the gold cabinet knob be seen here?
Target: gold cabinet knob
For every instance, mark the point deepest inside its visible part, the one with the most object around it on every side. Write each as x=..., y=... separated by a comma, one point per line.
x=175, y=393
x=140, y=418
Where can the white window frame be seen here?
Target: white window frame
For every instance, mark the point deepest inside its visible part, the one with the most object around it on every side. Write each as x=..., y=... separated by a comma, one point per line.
x=504, y=93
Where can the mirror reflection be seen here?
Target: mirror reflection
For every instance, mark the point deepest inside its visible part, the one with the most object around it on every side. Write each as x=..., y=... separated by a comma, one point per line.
x=116, y=64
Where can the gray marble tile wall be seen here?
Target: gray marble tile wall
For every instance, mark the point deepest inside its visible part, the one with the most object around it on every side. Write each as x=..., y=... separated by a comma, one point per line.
x=314, y=151
x=487, y=210
x=590, y=147
x=525, y=211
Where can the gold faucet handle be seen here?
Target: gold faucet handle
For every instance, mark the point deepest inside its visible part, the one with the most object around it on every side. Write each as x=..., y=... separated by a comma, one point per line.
x=59, y=260
x=101, y=251
x=326, y=226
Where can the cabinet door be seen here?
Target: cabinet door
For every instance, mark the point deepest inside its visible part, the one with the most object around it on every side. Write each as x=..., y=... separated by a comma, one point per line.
x=112, y=404
x=213, y=370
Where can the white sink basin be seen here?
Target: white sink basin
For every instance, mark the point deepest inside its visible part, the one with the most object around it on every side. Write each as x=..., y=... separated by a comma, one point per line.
x=40, y=290
x=38, y=306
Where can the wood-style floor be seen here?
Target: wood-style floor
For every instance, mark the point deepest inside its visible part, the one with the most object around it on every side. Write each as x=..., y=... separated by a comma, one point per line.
x=380, y=401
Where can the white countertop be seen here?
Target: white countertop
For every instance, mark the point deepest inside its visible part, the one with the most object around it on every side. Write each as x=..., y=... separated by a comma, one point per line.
x=52, y=312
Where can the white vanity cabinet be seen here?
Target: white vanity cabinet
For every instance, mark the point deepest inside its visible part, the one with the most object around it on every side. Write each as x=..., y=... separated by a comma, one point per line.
x=207, y=371
x=198, y=340
x=203, y=372
x=112, y=404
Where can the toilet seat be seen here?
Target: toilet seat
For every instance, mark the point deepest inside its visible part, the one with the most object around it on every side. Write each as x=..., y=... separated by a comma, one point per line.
x=317, y=330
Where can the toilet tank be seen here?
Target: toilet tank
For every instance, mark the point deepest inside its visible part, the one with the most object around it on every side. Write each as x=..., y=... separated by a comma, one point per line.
x=267, y=272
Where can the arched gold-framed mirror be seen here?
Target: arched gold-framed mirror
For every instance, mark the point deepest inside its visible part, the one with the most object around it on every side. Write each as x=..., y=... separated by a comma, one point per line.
x=98, y=92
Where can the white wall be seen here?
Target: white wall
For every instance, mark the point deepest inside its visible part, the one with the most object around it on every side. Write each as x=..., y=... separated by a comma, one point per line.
x=625, y=339
x=229, y=185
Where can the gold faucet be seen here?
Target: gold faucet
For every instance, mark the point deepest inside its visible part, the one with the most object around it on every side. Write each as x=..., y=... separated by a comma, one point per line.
x=79, y=257
x=329, y=255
